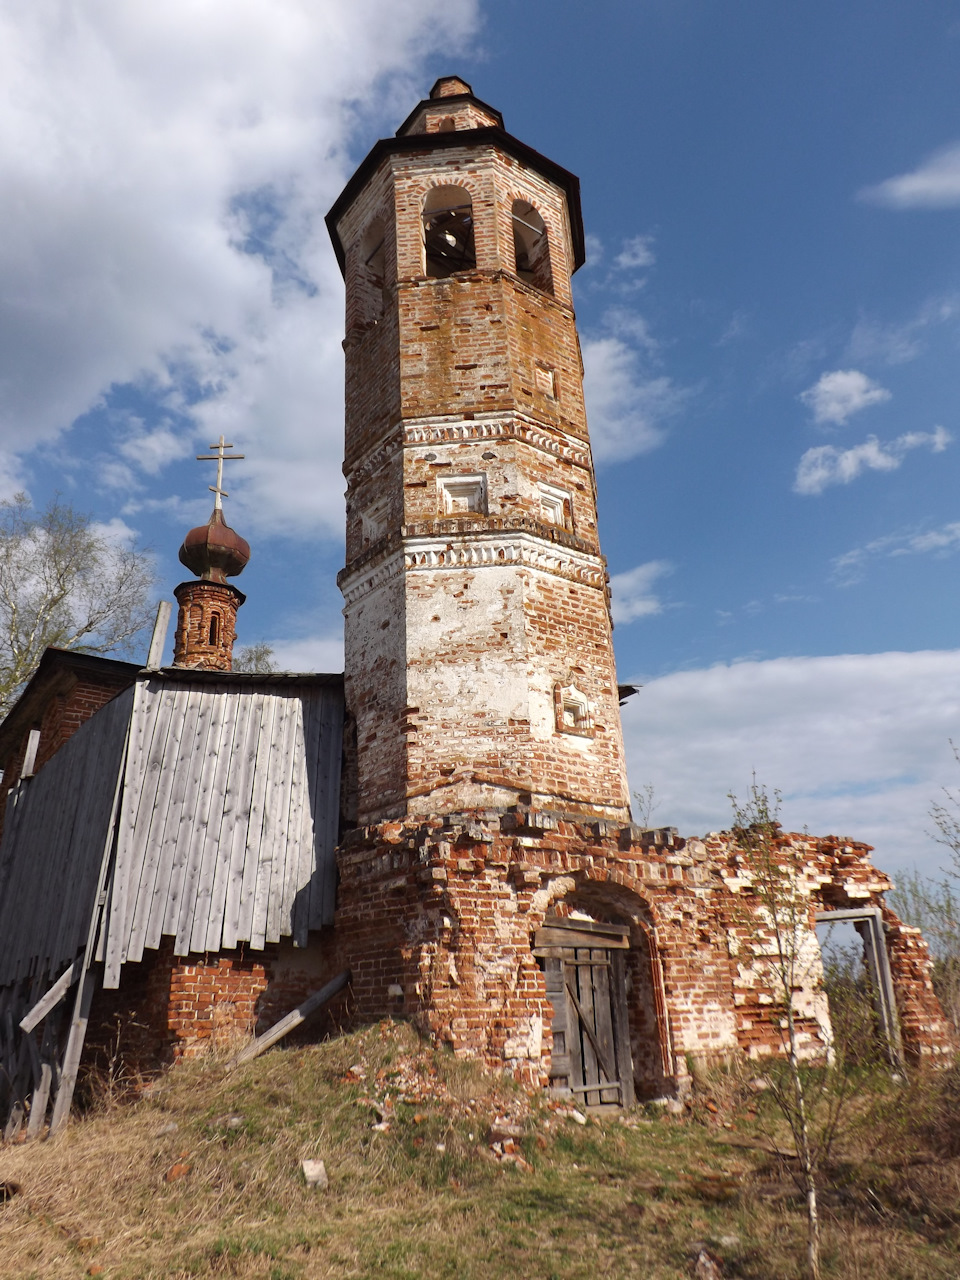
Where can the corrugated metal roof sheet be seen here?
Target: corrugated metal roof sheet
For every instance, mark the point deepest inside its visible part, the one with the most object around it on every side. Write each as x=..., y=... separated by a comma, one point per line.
x=226, y=829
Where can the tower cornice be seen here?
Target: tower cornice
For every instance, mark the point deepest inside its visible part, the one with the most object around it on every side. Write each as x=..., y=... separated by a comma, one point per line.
x=481, y=428
x=469, y=544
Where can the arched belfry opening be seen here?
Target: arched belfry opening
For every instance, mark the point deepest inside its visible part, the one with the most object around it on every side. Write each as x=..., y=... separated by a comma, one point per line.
x=604, y=984
x=531, y=246
x=371, y=277
x=448, y=239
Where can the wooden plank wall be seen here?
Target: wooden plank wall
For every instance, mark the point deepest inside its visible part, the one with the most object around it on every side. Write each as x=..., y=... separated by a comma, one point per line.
x=53, y=845
x=228, y=822
x=226, y=830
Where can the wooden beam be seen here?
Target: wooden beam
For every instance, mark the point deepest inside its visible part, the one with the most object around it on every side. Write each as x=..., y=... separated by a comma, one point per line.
x=52, y=997
x=159, y=638
x=71, y=1058
x=294, y=1019
x=30, y=755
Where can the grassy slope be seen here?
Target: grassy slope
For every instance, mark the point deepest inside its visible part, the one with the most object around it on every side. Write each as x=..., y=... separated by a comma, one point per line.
x=426, y=1197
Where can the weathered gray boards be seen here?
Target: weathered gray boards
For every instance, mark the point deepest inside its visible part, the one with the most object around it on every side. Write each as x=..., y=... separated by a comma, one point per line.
x=200, y=807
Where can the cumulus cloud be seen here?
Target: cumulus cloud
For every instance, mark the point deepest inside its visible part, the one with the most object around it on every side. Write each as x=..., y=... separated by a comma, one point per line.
x=628, y=401
x=636, y=254
x=827, y=465
x=166, y=171
x=151, y=450
x=842, y=393
x=632, y=591
x=857, y=743
x=934, y=184
x=850, y=567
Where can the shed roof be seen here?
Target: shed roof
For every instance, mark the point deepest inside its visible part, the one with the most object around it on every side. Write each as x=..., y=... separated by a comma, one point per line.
x=209, y=805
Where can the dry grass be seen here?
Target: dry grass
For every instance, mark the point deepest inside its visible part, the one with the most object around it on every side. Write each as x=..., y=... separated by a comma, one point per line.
x=427, y=1197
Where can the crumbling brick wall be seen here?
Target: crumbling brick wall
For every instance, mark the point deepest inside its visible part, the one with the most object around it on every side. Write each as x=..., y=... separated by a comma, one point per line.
x=436, y=920
x=171, y=1007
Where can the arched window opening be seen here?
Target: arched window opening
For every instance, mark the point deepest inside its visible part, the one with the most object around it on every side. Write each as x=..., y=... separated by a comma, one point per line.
x=448, y=232
x=447, y=125
x=531, y=246
x=371, y=281
x=214, y=629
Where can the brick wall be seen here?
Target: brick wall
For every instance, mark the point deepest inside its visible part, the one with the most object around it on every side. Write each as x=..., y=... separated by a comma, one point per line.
x=74, y=701
x=206, y=625
x=436, y=920
x=170, y=1007
x=466, y=615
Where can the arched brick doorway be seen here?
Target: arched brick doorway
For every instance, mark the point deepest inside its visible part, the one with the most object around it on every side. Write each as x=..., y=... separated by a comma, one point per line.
x=603, y=978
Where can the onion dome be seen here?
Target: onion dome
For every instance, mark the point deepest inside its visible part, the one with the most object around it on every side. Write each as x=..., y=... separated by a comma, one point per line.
x=214, y=551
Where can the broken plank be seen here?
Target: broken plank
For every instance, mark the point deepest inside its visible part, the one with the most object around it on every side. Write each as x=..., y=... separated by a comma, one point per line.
x=294, y=1019
x=52, y=998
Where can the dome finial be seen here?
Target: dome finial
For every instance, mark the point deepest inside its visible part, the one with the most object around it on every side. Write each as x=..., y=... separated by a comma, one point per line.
x=219, y=457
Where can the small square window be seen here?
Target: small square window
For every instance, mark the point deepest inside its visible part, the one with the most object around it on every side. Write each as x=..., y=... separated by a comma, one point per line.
x=572, y=709
x=546, y=381
x=373, y=522
x=556, y=506
x=464, y=495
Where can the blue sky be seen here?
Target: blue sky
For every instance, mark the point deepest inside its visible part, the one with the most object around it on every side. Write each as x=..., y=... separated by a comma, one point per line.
x=770, y=317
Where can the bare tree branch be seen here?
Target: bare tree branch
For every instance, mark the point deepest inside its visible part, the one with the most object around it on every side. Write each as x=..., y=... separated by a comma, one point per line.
x=64, y=584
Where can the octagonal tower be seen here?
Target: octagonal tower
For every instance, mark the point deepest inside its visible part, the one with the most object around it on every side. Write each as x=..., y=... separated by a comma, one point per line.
x=479, y=663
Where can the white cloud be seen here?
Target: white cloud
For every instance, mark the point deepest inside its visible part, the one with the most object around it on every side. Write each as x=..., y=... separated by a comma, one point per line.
x=826, y=465
x=166, y=171
x=899, y=343
x=628, y=402
x=311, y=653
x=636, y=254
x=838, y=395
x=935, y=184
x=633, y=591
x=151, y=451
x=857, y=743
x=849, y=567
x=594, y=249
x=115, y=532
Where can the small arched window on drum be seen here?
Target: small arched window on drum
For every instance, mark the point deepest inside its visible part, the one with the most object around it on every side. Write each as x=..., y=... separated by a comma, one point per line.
x=531, y=246
x=448, y=232
x=214, y=632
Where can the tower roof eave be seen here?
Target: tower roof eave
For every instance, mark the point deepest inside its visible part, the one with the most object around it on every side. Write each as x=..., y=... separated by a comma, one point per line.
x=490, y=136
x=449, y=100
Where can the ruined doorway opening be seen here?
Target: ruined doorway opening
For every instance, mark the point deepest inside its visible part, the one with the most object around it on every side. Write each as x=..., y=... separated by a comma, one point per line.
x=858, y=981
x=584, y=965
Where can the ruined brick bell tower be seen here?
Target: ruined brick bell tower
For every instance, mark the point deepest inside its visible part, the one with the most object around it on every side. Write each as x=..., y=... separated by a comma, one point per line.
x=479, y=667
x=479, y=672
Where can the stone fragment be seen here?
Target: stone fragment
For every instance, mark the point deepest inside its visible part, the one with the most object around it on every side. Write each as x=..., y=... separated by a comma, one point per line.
x=707, y=1267
x=315, y=1174
x=177, y=1171
x=502, y=1129
x=233, y=1120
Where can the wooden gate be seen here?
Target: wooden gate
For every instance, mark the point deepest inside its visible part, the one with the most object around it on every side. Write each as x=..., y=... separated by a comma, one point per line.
x=585, y=971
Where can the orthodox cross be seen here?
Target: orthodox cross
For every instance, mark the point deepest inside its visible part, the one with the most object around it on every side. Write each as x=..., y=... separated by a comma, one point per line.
x=219, y=457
